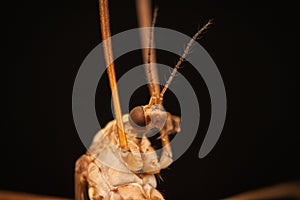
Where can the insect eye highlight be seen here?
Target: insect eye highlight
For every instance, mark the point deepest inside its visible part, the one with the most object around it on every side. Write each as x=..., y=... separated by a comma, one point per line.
x=137, y=117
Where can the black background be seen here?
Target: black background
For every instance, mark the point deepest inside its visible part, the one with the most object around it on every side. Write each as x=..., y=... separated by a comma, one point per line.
x=253, y=44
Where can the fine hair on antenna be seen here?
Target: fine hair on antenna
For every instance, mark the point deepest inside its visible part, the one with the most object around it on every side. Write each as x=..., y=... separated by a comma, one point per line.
x=197, y=35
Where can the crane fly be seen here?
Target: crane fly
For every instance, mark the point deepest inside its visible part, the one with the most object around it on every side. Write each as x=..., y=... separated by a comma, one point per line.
x=124, y=141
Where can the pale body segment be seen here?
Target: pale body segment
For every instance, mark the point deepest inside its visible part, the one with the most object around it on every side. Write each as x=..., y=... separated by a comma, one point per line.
x=106, y=172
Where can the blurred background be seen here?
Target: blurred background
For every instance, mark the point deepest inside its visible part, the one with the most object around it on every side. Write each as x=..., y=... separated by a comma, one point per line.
x=253, y=44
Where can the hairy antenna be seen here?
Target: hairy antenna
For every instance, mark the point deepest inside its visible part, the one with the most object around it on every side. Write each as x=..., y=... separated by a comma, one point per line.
x=185, y=53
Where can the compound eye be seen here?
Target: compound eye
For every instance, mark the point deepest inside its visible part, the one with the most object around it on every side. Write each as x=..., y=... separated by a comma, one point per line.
x=137, y=117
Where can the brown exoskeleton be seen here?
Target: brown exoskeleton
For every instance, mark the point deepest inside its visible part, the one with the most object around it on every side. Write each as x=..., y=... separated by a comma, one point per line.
x=121, y=163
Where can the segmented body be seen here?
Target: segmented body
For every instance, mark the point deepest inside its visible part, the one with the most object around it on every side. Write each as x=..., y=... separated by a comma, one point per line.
x=106, y=172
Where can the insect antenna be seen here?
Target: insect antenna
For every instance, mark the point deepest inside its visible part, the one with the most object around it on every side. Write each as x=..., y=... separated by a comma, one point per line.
x=184, y=55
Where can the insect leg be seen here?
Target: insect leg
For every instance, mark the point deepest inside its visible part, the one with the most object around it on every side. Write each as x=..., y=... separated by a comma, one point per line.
x=144, y=19
x=105, y=29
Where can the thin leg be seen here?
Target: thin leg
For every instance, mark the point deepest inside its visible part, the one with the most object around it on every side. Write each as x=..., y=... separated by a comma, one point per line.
x=105, y=29
x=144, y=19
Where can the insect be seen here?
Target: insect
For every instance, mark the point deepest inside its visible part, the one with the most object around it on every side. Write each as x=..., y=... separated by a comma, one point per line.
x=121, y=163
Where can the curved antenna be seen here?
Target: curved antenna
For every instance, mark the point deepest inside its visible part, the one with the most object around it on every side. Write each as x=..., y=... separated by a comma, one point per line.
x=185, y=53
x=105, y=30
